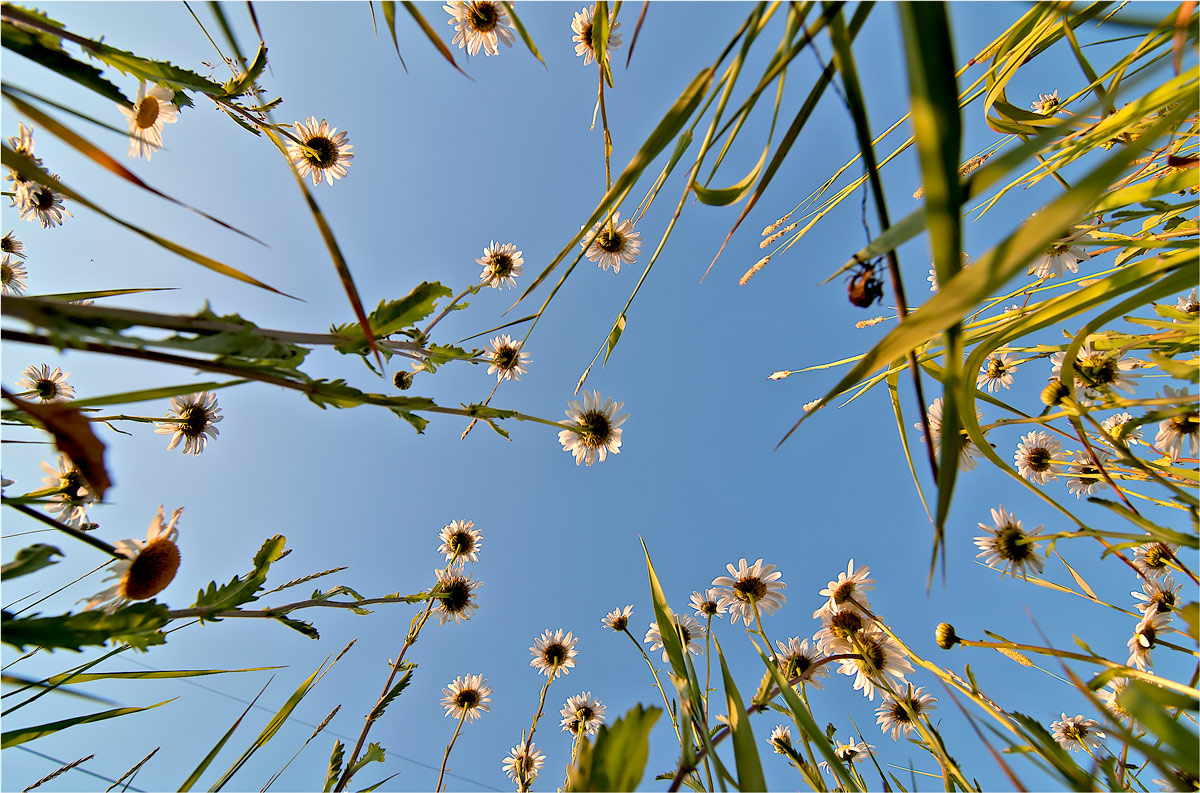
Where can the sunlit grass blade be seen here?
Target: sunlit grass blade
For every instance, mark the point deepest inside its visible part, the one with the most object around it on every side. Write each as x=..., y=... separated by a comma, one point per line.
x=389, y=18
x=26, y=683
x=637, y=29
x=150, y=674
x=98, y=294
x=147, y=394
x=749, y=767
x=523, y=33
x=433, y=37
x=22, y=735
x=220, y=744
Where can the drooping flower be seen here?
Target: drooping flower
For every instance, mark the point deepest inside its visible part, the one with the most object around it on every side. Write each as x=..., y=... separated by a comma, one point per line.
x=1085, y=477
x=1114, y=427
x=879, y=659
x=851, y=585
x=1046, y=104
x=554, y=653
x=1143, y=639
x=46, y=385
x=523, y=763
x=461, y=542
x=615, y=243
x=1157, y=597
x=39, y=202
x=12, y=276
x=693, y=635
x=467, y=697
x=618, y=619
x=596, y=430
x=146, y=117
x=781, y=739
x=1076, y=732
x=1110, y=695
x=507, y=359
x=195, y=417
x=582, y=712
x=708, y=604
x=455, y=595
x=1061, y=256
x=1009, y=545
x=1098, y=370
x=895, y=716
x=795, y=659
x=996, y=371
x=581, y=26
x=749, y=586
x=838, y=630
x=150, y=565
x=501, y=265
x=73, y=494
x=1184, y=426
x=1153, y=559
x=9, y=244
x=849, y=753
x=322, y=151
x=1036, y=456
x=966, y=452
x=481, y=23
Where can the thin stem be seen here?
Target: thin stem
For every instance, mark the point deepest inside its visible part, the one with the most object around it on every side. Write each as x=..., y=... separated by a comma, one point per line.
x=278, y=611
x=449, y=746
x=522, y=782
x=95, y=542
x=470, y=290
x=658, y=683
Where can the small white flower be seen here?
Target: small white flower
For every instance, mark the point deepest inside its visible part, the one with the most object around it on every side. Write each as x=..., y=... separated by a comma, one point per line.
x=1114, y=427
x=1061, y=256
x=11, y=246
x=850, y=753
x=322, y=151
x=149, y=567
x=795, y=659
x=1098, y=370
x=618, y=620
x=1156, y=597
x=616, y=242
x=1046, y=104
x=1037, y=454
x=996, y=371
x=582, y=712
x=523, y=764
x=501, y=265
x=693, y=636
x=23, y=144
x=146, y=117
x=1153, y=559
x=581, y=26
x=850, y=585
x=1086, y=478
x=197, y=414
x=1188, y=304
x=1143, y=639
x=481, y=23
x=781, y=739
x=932, y=279
x=39, y=202
x=454, y=594
x=748, y=586
x=73, y=494
x=1174, y=431
x=879, y=659
x=708, y=604
x=596, y=430
x=507, y=359
x=1110, y=694
x=461, y=542
x=893, y=715
x=966, y=452
x=1076, y=732
x=554, y=653
x=467, y=697
x=1009, y=545
x=46, y=385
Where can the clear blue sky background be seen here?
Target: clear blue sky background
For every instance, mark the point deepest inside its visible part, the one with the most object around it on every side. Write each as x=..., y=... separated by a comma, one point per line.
x=443, y=165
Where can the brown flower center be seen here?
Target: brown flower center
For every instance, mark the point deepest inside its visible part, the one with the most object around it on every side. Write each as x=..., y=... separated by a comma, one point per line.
x=750, y=589
x=453, y=594
x=1038, y=459
x=147, y=113
x=484, y=16
x=506, y=358
x=594, y=428
x=554, y=654
x=323, y=152
x=611, y=241
x=195, y=421
x=1010, y=546
x=795, y=666
x=46, y=388
x=152, y=570
x=43, y=199
x=844, y=624
x=501, y=264
x=467, y=699
x=995, y=368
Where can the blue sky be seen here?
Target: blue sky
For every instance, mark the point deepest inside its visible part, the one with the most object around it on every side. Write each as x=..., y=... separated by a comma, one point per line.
x=444, y=165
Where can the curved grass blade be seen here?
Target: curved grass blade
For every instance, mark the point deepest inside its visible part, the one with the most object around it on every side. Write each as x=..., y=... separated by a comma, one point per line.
x=26, y=684
x=26, y=734
x=124, y=133
x=220, y=744
x=636, y=30
x=523, y=33
x=745, y=752
x=411, y=8
x=99, y=294
x=159, y=674
x=146, y=394
x=389, y=18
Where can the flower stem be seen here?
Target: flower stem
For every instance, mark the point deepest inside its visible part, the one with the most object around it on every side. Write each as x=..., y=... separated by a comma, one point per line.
x=522, y=783
x=449, y=746
x=658, y=683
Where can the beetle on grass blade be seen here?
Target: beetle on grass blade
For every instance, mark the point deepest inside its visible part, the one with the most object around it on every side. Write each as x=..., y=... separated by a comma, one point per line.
x=864, y=288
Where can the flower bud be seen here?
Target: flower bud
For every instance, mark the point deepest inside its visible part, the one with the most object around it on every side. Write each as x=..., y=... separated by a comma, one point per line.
x=1054, y=393
x=402, y=380
x=946, y=637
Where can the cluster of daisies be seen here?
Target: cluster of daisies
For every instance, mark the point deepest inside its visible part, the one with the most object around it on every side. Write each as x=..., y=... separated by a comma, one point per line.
x=13, y=274
x=484, y=24
x=35, y=202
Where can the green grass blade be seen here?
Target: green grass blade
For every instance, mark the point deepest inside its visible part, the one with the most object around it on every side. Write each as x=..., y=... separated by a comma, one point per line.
x=147, y=394
x=523, y=33
x=220, y=744
x=745, y=751
x=25, y=734
x=389, y=18
x=433, y=37
x=164, y=674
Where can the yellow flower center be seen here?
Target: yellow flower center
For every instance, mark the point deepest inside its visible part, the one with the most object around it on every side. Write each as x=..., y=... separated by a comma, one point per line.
x=152, y=570
x=147, y=113
x=323, y=154
x=594, y=429
x=484, y=16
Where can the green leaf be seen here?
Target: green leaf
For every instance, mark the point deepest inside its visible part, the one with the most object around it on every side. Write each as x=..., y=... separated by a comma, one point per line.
x=395, y=690
x=241, y=589
x=334, y=769
x=614, y=336
x=35, y=47
x=28, y=560
x=664, y=617
x=745, y=751
x=373, y=754
x=299, y=625
x=158, y=674
x=138, y=625
x=616, y=759
x=17, y=737
x=1149, y=705
x=389, y=17
x=245, y=81
x=148, y=394
x=432, y=35
x=393, y=316
x=1044, y=744
x=523, y=33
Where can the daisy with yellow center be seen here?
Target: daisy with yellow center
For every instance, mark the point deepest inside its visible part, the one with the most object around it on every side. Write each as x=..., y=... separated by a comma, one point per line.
x=523, y=763
x=617, y=619
x=321, y=152
x=467, y=697
x=148, y=568
x=748, y=588
x=501, y=265
x=193, y=422
x=507, y=361
x=596, y=430
x=22, y=143
x=12, y=276
x=796, y=662
x=693, y=636
x=460, y=542
x=615, y=243
x=849, y=591
x=897, y=714
x=46, y=385
x=480, y=24
x=455, y=594
x=1008, y=545
x=151, y=109
x=72, y=496
x=581, y=27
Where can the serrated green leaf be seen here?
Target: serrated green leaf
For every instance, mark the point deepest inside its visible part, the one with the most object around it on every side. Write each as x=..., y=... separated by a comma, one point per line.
x=245, y=81
x=334, y=769
x=17, y=737
x=28, y=560
x=138, y=625
x=373, y=754
x=30, y=45
x=242, y=589
x=299, y=625
x=395, y=691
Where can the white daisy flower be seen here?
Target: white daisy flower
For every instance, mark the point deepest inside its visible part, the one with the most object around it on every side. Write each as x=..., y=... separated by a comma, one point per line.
x=581, y=26
x=1153, y=559
x=12, y=276
x=850, y=585
x=618, y=620
x=849, y=753
x=1085, y=478
x=1174, y=431
x=596, y=430
x=996, y=371
x=1114, y=427
x=747, y=586
x=838, y=630
x=467, y=697
x=22, y=143
x=616, y=242
x=501, y=265
x=1008, y=545
x=1096, y=370
x=73, y=494
x=554, y=653
x=523, y=763
x=507, y=359
x=9, y=244
x=1110, y=694
x=461, y=542
x=480, y=24
x=150, y=565
x=146, y=117
x=582, y=712
x=781, y=739
x=196, y=416
x=46, y=385
x=693, y=636
x=1188, y=304
x=967, y=452
x=1037, y=454
x=38, y=202
x=795, y=659
x=1144, y=635
x=1181, y=779
x=1076, y=732
x=1046, y=104
x=1062, y=256
x=324, y=152
x=893, y=715
x=1156, y=597
x=932, y=279
x=455, y=595
x=708, y=604
x=880, y=659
